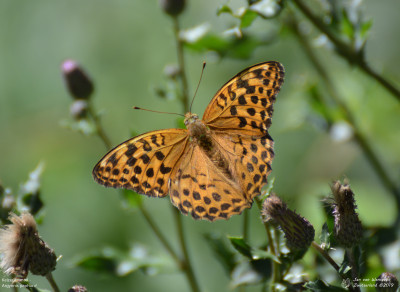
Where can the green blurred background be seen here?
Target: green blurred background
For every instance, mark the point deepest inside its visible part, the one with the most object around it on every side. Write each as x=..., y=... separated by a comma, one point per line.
x=125, y=46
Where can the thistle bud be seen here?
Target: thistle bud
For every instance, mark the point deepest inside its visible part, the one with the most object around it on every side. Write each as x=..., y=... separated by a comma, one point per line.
x=79, y=109
x=299, y=233
x=386, y=282
x=172, y=7
x=78, y=83
x=77, y=288
x=23, y=250
x=348, y=228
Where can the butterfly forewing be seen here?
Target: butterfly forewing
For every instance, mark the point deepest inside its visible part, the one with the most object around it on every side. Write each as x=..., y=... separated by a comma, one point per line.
x=244, y=105
x=143, y=164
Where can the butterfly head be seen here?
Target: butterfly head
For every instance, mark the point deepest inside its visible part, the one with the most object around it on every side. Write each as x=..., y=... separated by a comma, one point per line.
x=190, y=118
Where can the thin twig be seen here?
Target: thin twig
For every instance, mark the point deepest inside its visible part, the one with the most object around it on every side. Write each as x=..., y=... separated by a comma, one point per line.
x=159, y=235
x=346, y=50
x=53, y=283
x=371, y=156
x=187, y=266
x=99, y=129
x=181, y=64
x=354, y=272
x=276, y=275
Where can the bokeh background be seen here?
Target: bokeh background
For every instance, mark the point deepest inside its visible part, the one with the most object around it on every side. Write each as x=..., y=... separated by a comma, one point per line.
x=125, y=46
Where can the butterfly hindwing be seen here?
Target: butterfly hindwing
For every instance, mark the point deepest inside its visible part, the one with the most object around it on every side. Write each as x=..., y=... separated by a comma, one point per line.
x=144, y=163
x=201, y=189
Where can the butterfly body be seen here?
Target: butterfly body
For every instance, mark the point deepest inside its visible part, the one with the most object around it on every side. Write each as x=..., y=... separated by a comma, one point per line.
x=215, y=167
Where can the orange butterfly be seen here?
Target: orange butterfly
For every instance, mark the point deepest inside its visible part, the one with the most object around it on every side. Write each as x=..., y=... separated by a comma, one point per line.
x=215, y=167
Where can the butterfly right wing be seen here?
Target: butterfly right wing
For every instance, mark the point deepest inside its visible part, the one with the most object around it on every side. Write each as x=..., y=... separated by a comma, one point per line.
x=143, y=164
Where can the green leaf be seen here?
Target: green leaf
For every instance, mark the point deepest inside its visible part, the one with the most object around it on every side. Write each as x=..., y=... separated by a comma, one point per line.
x=241, y=246
x=247, y=18
x=365, y=28
x=347, y=27
x=251, y=272
x=29, y=193
x=224, y=9
x=98, y=263
x=120, y=263
x=223, y=252
x=266, y=8
x=233, y=47
x=325, y=237
x=321, y=286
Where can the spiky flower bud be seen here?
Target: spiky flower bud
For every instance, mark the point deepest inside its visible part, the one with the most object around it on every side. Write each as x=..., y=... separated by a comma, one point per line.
x=23, y=250
x=387, y=282
x=348, y=228
x=299, y=233
x=172, y=7
x=78, y=83
x=79, y=109
x=77, y=288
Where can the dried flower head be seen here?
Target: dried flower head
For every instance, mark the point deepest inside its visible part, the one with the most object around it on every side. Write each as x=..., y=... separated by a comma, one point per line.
x=172, y=7
x=23, y=250
x=387, y=282
x=299, y=233
x=348, y=228
x=79, y=85
x=77, y=288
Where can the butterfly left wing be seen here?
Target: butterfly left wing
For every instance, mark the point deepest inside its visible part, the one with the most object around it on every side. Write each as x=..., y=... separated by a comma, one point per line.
x=144, y=163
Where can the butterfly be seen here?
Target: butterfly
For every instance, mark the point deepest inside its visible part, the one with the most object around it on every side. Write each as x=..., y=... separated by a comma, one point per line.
x=215, y=167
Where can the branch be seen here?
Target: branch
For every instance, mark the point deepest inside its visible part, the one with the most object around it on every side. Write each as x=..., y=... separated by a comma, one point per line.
x=347, y=51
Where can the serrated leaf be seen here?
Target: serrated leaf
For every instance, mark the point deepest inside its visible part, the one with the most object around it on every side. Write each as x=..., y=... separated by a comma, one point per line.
x=223, y=252
x=321, y=286
x=251, y=272
x=241, y=246
x=247, y=18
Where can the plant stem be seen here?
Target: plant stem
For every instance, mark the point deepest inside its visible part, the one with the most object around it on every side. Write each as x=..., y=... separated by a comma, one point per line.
x=99, y=129
x=354, y=273
x=347, y=51
x=53, y=283
x=187, y=266
x=371, y=156
x=181, y=64
x=276, y=275
x=159, y=235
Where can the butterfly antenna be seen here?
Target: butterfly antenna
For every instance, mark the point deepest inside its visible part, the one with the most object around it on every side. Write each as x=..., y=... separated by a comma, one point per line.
x=201, y=75
x=139, y=108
